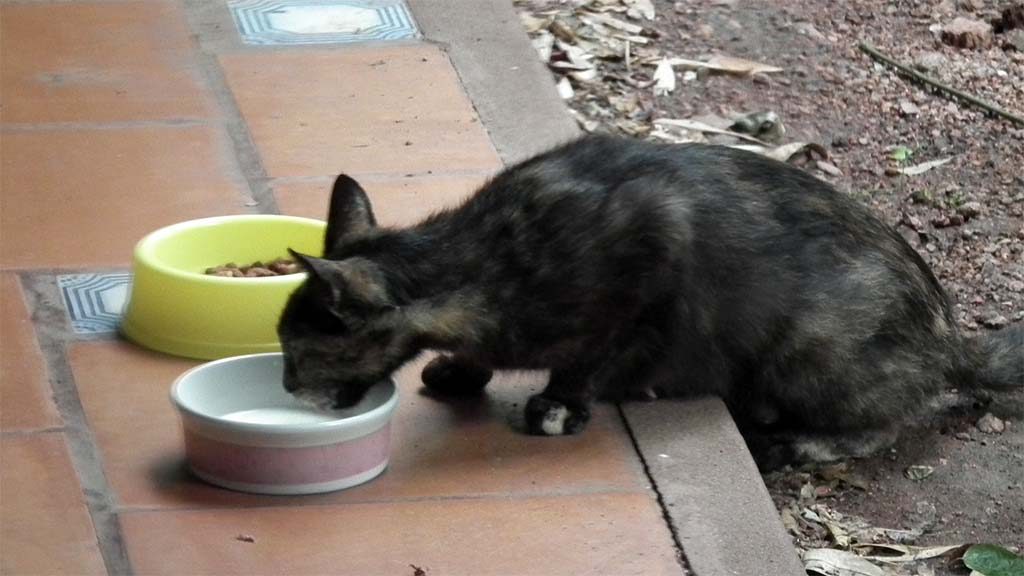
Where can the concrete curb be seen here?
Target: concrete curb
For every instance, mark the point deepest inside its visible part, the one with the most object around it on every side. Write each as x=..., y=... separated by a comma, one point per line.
x=712, y=493
x=512, y=90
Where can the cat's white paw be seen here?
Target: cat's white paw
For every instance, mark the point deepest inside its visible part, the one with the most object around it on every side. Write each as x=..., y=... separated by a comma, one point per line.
x=553, y=423
x=548, y=417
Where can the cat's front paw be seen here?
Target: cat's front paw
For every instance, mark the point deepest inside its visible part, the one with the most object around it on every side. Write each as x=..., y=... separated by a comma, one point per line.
x=450, y=376
x=549, y=417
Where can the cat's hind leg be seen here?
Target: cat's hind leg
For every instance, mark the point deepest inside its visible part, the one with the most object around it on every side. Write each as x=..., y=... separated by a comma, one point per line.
x=455, y=376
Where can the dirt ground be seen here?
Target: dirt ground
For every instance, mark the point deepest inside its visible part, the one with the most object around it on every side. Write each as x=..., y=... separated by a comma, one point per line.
x=965, y=217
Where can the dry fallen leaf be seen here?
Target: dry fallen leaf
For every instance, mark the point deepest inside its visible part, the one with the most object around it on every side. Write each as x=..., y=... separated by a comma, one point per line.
x=664, y=79
x=727, y=65
x=922, y=167
x=543, y=43
x=907, y=553
x=565, y=88
x=830, y=562
x=702, y=127
x=638, y=8
x=611, y=22
x=787, y=152
x=532, y=23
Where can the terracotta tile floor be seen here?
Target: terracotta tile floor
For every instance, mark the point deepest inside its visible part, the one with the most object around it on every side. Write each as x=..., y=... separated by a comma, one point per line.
x=23, y=386
x=79, y=198
x=95, y=62
x=603, y=534
x=393, y=110
x=46, y=527
x=112, y=128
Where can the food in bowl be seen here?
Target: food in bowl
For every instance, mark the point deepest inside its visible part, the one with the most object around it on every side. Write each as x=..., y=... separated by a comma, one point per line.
x=278, y=267
x=243, y=431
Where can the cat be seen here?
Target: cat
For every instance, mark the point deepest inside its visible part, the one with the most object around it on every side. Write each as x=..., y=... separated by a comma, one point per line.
x=630, y=268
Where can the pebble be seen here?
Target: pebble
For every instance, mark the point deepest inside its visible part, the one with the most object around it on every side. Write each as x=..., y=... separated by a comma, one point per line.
x=908, y=108
x=993, y=320
x=990, y=424
x=967, y=33
x=969, y=209
x=929, y=61
x=963, y=436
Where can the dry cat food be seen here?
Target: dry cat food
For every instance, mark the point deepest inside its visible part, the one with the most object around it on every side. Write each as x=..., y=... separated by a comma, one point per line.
x=279, y=267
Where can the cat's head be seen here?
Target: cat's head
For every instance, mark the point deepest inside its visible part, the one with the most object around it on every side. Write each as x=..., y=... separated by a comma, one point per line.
x=341, y=331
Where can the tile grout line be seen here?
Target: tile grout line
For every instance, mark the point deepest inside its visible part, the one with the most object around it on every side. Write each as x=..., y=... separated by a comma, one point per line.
x=24, y=432
x=246, y=155
x=43, y=300
x=486, y=496
x=676, y=541
x=111, y=125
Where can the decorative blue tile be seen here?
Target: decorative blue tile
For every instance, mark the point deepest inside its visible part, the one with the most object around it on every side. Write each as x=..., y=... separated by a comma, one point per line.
x=321, y=21
x=95, y=301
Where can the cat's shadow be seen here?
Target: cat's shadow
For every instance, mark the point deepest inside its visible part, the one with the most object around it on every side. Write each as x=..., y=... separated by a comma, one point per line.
x=478, y=407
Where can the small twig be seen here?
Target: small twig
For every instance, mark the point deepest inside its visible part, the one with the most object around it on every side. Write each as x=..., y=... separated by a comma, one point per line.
x=874, y=53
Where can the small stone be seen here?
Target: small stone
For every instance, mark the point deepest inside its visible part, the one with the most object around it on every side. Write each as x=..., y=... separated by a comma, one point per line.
x=808, y=29
x=908, y=108
x=829, y=168
x=962, y=436
x=969, y=210
x=967, y=33
x=929, y=61
x=918, y=472
x=945, y=7
x=1014, y=40
x=990, y=424
x=993, y=320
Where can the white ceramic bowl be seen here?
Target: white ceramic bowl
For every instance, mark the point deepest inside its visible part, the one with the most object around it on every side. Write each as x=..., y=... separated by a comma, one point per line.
x=245, y=432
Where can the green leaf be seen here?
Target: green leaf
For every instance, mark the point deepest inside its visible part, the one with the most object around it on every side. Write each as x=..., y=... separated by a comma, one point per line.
x=901, y=154
x=991, y=560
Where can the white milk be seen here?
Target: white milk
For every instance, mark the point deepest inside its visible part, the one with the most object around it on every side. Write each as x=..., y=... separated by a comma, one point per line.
x=279, y=416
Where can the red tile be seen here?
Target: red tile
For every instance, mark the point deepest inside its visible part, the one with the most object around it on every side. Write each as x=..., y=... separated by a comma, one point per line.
x=23, y=387
x=460, y=449
x=46, y=527
x=97, y=62
x=396, y=201
x=596, y=534
x=78, y=198
x=386, y=109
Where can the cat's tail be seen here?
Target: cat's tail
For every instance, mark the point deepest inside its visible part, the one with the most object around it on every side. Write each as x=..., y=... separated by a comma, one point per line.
x=997, y=359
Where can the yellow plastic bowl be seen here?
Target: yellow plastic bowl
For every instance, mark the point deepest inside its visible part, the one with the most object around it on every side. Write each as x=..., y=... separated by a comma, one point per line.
x=175, y=308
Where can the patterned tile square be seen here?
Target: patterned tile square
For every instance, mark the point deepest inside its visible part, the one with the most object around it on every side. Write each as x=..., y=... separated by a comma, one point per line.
x=95, y=301
x=321, y=21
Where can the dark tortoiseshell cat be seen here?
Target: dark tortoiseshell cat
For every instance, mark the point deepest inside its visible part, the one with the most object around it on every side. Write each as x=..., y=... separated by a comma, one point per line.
x=626, y=267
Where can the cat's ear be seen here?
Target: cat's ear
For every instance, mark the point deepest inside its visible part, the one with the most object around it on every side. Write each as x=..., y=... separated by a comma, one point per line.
x=346, y=284
x=350, y=213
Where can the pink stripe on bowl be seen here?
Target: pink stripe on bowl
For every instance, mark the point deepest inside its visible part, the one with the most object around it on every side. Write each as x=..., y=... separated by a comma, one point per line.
x=286, y=466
